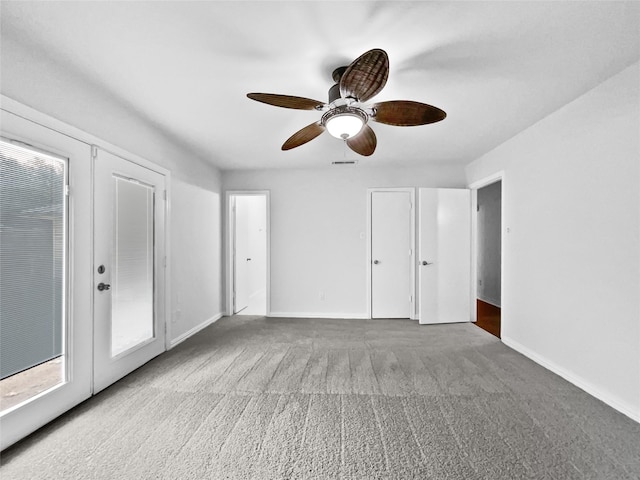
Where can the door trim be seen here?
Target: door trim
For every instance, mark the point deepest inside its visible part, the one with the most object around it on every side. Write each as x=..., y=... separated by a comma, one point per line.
x=412, y=234
x=229, y=241
x=474, y=187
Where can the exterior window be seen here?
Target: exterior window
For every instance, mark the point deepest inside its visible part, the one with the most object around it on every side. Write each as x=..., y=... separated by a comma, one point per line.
x=33, y=257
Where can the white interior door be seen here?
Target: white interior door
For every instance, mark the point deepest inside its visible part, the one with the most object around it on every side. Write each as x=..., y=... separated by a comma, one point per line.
x=129, y=257
x=391, y=254
x=444, y=230
x=241, y=257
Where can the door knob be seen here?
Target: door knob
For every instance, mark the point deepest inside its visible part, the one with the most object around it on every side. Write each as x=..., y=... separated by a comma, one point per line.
x=376, y=262
x=103, y=286
x=424, y=262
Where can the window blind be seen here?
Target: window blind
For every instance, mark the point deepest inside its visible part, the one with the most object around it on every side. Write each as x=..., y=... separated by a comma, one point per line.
x=33, y=238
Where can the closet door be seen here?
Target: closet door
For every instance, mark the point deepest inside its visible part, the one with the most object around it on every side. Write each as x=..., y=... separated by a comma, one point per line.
x=391, y=254
x=45, y=282
x=444, y=262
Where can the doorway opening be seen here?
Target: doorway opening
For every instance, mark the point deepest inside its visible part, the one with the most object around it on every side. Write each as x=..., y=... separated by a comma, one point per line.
x=248, y=241
x=489, y=258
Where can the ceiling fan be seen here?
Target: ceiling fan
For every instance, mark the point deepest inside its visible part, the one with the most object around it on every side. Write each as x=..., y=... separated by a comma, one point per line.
x=345, y=115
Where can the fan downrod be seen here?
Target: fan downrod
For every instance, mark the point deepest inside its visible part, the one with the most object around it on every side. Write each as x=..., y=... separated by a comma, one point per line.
x=334, y=91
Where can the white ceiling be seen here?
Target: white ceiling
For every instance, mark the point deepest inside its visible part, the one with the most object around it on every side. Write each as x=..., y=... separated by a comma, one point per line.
x=494, y=67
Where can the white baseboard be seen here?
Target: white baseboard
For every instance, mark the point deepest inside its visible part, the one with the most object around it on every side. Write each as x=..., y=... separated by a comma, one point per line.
x=346, y=316
x=628, y=410
x=195, y=330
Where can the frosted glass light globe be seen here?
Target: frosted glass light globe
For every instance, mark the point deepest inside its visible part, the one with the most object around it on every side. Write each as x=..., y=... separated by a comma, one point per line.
x=345, y=125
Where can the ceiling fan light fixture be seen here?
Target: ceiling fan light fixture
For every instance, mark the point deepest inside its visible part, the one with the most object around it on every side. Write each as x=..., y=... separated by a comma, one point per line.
x=344, y=122
x=346, y=115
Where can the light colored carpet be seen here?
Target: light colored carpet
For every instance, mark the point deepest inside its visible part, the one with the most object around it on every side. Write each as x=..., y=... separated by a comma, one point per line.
x=256, y=398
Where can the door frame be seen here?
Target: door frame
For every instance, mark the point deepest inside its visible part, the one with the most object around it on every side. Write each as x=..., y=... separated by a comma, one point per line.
x=229, y=243
x=474, y=187
x=412, y=235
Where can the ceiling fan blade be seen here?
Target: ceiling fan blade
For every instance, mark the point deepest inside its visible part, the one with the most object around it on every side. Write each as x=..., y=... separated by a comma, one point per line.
x=364, y=143
x=285, y=101
x=404, y=113
x=366, y=76
x=303, y=136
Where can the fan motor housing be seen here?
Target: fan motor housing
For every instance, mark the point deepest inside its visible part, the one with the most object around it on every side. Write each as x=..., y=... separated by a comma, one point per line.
x=345, y=110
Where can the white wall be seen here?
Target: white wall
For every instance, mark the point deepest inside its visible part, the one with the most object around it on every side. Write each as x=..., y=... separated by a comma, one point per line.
x=40, y=82
x=571, y=255
x=196, y=265
x=318, y=229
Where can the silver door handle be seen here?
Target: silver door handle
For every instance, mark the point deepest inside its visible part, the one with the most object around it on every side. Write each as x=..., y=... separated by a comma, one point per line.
x=424, y=262
x=376, y=262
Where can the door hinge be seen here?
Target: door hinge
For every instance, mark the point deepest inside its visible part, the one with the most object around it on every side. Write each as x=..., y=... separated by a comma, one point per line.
x=165, y=194
x=410, y=298
x=66, y=190
x=94, y=152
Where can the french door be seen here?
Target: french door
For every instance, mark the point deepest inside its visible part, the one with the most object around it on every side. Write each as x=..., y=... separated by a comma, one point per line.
x=45, y=292
x=128, y=267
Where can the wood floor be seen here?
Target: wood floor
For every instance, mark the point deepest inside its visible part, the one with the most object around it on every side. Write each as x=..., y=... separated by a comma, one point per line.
x=488, y=317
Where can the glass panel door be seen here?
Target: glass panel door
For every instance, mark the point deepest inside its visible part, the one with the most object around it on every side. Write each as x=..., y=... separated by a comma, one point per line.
x=45, y=291
x=128, y=267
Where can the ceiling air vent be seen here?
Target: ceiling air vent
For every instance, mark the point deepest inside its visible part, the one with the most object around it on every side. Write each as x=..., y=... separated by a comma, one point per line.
x=345, y=162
